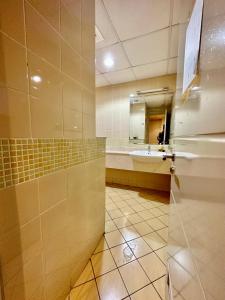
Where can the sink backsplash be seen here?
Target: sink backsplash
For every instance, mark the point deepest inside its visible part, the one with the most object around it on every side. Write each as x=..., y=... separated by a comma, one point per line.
x=123, y=144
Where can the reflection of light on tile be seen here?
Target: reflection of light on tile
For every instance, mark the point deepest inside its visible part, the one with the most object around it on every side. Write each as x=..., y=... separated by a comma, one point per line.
x=36, y=78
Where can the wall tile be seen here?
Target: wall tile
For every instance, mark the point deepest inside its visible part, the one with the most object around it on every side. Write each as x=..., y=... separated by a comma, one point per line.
x=70, y=27
x=50, y=9
x=12, y=19
x=52, y=189
x=14, y=114
x=71, y=92
x=46, y=119
x=13, y=69
x=41, y=38
x=71, y=63
x=72, y=123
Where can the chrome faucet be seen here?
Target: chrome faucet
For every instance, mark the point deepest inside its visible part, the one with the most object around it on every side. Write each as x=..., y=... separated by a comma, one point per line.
x=149, y=148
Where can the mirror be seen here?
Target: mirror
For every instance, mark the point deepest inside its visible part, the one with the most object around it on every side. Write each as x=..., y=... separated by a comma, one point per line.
x=150, y=116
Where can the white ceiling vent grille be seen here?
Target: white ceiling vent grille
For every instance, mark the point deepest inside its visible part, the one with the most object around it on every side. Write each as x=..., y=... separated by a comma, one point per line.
x=98, y=36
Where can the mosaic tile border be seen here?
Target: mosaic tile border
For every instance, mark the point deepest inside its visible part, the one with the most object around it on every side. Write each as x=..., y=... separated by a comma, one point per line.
x=26, y=159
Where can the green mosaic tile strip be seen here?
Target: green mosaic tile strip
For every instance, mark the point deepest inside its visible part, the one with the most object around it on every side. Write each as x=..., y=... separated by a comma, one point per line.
x=26, y=159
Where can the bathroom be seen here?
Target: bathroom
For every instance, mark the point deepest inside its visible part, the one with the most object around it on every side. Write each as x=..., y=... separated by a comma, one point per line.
x=112, y=150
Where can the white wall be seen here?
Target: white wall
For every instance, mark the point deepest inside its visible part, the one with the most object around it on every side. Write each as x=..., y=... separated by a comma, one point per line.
x=113, y=106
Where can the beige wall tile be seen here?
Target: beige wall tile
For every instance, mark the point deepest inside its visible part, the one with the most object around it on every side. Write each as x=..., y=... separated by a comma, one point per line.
x=46, y=119
x=12, y=19
x=41, y=38
x=46, y=107
x=18, y=205
x=14, y=114
x=71, y=62
x=13, y=69
x=52, y=189
x=49, y=9
x=54, y=221
x=70, y=27
x=72, y=94
x=72, y=123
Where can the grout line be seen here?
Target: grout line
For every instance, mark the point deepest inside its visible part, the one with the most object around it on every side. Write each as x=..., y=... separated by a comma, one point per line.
x=95, y=278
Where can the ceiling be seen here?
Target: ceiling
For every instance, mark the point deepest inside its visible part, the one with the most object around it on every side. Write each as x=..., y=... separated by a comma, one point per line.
x=141, y=36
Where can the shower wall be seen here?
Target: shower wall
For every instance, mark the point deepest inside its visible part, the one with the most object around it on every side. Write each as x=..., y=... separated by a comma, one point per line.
x=51, y=163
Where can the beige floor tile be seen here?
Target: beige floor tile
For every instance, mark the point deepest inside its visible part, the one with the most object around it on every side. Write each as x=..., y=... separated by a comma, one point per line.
x=127, y=210
x=111, y=206
x=153, y=266
x=148, y=205
x=139, y=247
x=160, y=285
x=107, y=217
x=157, y=212
x=110, y=226
x=129, y=233
x=115, y=213
x=111, y=286
x=102, y=245
x=87, y=291
x=164, y=219
x=156, y=224
x=163, y=233
x=121, y=204
x=165, y=208
x=143, y=228
x=147, y=292
x=146, y=214
x=134, y=218
x=154, y=241
x=134, y=277
x=122, y=254
x=138, y=207
x=102, y=262
x=122, y=222
x=114, y=238
x=162, y=254
x=86, y=275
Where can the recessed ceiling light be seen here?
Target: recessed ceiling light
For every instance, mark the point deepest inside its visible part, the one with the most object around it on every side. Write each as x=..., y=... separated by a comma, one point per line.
x=108, y=61
x=132, y=95
x=36, y=78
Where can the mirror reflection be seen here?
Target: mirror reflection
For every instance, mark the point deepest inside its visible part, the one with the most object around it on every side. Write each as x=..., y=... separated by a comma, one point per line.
x=150, y=116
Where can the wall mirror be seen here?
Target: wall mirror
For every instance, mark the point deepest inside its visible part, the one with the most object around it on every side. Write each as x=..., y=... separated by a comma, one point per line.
x=150, y=116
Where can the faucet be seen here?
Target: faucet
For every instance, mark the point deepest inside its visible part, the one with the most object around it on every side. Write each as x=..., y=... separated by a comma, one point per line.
x=149, y=148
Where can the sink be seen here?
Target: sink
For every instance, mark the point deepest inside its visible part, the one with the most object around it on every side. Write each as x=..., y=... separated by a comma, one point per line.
x=147, y=157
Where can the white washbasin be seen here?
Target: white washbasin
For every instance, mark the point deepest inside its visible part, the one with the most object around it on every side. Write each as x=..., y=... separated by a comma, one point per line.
x=145, y=156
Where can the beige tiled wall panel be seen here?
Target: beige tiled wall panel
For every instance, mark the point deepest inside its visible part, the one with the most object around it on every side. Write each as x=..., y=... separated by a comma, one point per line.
x=48, y=225
x=153, y=181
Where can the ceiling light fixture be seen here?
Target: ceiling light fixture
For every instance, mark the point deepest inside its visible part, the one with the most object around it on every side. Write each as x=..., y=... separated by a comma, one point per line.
x=132, y=95
x=108, y=62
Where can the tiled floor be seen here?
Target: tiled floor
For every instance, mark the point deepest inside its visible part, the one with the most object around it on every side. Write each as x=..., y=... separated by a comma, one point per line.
x=129, y=262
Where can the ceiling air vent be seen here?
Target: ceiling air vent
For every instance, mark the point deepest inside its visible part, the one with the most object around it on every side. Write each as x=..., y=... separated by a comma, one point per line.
x=98, y=36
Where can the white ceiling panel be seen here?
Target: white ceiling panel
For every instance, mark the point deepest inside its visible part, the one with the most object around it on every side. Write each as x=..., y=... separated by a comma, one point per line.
x=101, y=81
x=114, y=52
x=174, y=41
x=104, y=26
x=132, y=18
x=120, y=76
x=172, y=66
x=149, y=48
x=151, y=70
